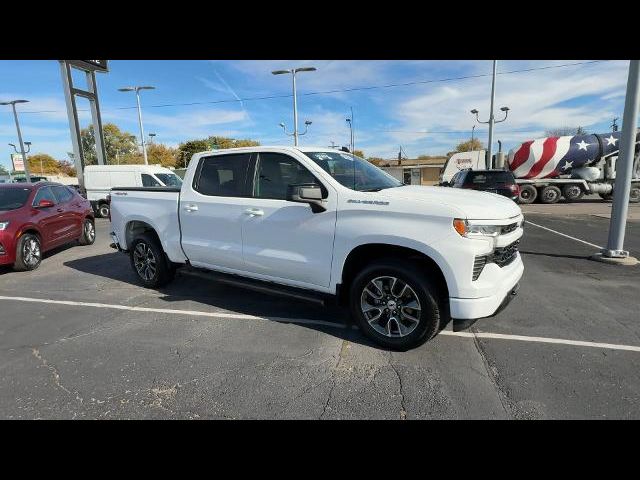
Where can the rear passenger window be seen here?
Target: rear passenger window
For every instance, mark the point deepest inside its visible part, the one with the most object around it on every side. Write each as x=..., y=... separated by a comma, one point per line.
x=149, y=181
x=63, y=194
x=44, y=193
x=223, y=175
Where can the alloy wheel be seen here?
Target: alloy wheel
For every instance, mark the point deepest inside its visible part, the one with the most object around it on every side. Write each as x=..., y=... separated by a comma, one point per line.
x=31, y=253
x=144, y=261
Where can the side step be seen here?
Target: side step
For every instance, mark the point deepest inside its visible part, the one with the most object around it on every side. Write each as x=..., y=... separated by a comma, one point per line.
x=256, y=285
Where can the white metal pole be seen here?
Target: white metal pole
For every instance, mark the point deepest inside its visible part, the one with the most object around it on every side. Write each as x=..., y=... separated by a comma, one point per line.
x=624, y=165
x=351, y=125
x=295, y=110
x=491, y=117
x=24, y=155
x=144, y=148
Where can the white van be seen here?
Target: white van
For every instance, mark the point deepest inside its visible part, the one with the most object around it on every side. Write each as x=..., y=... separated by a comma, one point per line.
x=100, y=179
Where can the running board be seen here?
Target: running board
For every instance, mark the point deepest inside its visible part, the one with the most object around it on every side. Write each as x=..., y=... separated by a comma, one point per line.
x=256, y=285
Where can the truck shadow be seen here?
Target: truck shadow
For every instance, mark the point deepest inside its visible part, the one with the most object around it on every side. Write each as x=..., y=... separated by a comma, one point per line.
x=190, y=293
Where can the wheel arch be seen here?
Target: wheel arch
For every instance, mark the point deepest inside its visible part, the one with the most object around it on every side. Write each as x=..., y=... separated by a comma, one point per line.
x=136, y=227
x=363, y=254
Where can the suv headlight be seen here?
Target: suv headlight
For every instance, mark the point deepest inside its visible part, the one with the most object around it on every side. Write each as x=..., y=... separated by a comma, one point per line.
x=466, y=229
x=4, y=225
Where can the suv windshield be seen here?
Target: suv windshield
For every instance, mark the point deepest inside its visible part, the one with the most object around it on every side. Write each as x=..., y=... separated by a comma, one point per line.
x=169, y=179
x=353, y=172
x=13, y=198
x=489, y=178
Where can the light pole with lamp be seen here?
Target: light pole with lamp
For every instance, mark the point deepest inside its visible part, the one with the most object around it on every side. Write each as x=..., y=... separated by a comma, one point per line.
x=293, y=72
x=137, y=90
x=491, y=122
x=24, y=154
x=350, y=122
x=151, y=135
x=296, y=135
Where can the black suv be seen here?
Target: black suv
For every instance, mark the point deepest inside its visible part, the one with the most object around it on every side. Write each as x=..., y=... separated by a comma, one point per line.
x=501, y=182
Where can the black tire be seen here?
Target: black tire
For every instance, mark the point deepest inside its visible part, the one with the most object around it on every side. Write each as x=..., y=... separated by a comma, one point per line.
x=28, y=253
x=606, y=196
x=572, y=192
x=430, y=308
x=88, y=232
x=103, y=210
x=550, y=194
x=634, y=195
x=528, y=194
x=146, y=251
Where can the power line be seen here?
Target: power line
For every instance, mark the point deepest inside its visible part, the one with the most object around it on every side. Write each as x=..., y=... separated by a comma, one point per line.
x=343, y=90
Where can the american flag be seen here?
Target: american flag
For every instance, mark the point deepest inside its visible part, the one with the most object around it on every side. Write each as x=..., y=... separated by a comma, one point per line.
x=554, y=156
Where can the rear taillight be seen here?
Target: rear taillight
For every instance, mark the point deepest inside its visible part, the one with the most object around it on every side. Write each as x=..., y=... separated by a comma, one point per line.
x=515, y=189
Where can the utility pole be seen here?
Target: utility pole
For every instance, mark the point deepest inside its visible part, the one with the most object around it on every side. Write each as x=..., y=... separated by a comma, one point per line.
x=614, y=252
x=24, y=154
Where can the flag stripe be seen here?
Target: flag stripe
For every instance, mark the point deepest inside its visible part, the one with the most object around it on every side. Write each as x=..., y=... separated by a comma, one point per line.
x=521, y=155
x=548, y=151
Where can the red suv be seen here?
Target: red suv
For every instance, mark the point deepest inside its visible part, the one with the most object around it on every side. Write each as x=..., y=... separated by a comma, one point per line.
x=36, y=217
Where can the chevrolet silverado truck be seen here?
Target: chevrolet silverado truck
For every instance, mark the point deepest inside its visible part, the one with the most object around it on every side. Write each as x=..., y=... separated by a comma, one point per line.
x=322, y=223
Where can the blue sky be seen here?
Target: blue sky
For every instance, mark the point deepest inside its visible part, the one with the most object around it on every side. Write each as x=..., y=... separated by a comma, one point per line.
x=385, y=118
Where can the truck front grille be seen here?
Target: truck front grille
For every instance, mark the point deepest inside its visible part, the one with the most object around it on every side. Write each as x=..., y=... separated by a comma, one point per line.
x=505, y=255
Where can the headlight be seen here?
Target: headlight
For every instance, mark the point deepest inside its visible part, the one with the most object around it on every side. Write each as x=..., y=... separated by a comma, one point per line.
x=4, y=225
x=473, y=230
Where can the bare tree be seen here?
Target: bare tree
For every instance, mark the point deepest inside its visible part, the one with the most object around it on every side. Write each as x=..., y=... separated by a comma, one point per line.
x=565, y=131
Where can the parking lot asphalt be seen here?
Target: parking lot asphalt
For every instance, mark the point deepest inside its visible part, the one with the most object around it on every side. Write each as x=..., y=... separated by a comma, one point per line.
x=79, y=338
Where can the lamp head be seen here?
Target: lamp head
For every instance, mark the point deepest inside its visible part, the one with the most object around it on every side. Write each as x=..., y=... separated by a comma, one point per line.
x=474, y=111
x=505, y=109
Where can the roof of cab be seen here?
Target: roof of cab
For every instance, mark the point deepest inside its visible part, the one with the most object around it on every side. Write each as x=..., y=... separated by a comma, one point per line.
x=274, y=147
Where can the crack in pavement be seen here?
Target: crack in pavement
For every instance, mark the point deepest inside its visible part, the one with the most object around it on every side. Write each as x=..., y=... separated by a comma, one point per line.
x=54, y=371
x=502, y=396
x=403, y=410
x=345, y=344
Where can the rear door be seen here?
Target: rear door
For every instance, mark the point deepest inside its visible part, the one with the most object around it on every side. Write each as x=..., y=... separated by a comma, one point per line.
x=70, y=216
x=212, y=209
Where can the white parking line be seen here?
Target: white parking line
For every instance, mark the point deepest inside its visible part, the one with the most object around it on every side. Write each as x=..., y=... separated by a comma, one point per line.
x=564, y=235
x=238, y=316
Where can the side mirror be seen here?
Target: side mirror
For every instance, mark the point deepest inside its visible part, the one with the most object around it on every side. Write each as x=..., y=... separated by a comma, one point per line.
x=307, y=193
x=45, y=204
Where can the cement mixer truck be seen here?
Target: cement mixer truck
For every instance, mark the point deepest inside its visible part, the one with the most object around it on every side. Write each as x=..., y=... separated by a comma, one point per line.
x=547, y=169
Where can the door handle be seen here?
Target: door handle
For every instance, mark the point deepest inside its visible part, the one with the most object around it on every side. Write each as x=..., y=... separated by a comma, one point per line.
x=191, y=208
x=254, y=212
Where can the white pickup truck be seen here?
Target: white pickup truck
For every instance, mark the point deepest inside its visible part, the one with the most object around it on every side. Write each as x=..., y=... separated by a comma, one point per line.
x=316, y=221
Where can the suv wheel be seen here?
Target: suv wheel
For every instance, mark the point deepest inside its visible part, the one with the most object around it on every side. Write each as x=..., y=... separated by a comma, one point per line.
x=395, y=304
x=88, y=232
x=149, y=261
x=28, y=253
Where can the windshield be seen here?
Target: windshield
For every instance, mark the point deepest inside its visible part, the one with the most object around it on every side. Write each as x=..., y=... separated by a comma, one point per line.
x=13, y=198
x=169, y=179
x=353, y=172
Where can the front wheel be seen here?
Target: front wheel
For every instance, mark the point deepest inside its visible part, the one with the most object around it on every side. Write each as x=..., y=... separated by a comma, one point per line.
x=103, y=210
x=395, y=304
x=149, y=261
x=28, y=253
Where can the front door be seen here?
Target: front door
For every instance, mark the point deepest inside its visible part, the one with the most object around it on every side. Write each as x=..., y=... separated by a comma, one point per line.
x=50, y=220
x=212, y=209
x=282, y=240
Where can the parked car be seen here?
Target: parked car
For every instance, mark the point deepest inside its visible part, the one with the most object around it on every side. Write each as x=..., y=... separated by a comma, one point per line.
x=319, y=222
x=36, y=217
x=99, y=179
x=501, y=182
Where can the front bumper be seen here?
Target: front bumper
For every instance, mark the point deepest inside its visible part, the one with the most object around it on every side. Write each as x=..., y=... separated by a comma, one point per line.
x=459, y=325
x=505, y=281
x=7, y=249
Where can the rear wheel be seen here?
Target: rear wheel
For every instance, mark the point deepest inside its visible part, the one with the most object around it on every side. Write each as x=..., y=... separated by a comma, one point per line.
x=88, y=232
x=572, y=192
x=28, y=253
x=606, y=196
x=634, y=195
x=550, y=194
x=103, y=210
x=149, y=261
x=395, y=304
x=528, y=194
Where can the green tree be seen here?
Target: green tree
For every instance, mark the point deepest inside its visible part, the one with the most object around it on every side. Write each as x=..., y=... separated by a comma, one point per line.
x=41, y=163
x=188, y=148
x=116, y=144
x=469, y=145
x=223, y=142
x=3, y=170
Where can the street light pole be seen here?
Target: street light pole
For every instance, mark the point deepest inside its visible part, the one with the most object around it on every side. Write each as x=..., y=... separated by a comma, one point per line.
x=472, y=131
x=293, y=72
x=137, y=90
x=491, y=117
x=24, y=154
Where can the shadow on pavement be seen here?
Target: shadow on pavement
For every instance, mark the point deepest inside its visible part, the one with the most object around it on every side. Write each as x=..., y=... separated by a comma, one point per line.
x=556, y=255
x=186, y=288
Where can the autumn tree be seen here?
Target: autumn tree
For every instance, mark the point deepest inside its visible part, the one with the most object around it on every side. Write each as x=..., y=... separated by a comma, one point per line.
x=67, y=167
x=158, y=153
x=358, y=153
x=223, y=142
x=41, y=163
x=469, y=146
x=188, y=148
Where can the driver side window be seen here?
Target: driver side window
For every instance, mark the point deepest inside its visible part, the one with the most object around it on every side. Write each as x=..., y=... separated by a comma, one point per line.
x=275, y=172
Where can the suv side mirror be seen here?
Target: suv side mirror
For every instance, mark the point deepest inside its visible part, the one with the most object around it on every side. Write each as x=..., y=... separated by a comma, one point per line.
x=307, y=193
x=45, y=204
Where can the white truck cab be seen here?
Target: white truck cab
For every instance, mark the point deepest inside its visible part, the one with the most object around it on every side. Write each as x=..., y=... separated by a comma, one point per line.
x=404, y=258
x=100, y=179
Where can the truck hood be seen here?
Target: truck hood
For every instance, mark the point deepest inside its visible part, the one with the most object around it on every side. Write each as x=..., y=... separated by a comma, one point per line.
x=472, y=204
